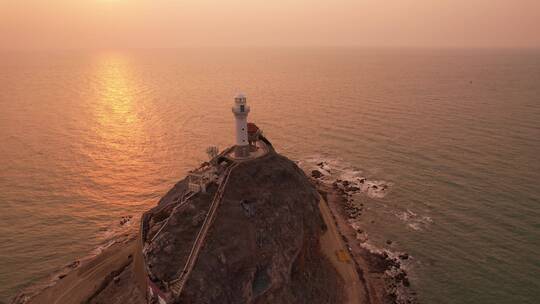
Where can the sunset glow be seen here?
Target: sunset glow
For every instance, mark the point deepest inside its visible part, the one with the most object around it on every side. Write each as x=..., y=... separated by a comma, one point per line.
x=269, y=151
x=100, y=24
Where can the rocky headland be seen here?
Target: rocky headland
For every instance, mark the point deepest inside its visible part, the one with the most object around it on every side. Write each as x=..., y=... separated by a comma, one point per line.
x=278, y=236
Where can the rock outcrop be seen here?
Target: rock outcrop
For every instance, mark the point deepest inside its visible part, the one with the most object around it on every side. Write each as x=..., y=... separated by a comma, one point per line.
x=263, y=246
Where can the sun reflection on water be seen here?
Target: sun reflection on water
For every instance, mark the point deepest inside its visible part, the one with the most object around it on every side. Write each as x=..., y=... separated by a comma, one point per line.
x=117, y=109
x=119, y=144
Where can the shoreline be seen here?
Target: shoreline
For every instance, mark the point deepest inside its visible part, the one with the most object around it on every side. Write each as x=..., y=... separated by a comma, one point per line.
x=85, y=279
x=108, y=277
x=384, y=280
x=333, y=247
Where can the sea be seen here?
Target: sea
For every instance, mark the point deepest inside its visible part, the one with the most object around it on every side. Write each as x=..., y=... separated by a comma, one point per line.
x=90, y=138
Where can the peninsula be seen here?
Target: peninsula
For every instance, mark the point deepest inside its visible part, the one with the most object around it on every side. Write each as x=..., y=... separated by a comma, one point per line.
x=247, y=226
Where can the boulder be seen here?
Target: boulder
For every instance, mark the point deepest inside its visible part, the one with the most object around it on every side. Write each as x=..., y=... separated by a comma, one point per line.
x=316, y=174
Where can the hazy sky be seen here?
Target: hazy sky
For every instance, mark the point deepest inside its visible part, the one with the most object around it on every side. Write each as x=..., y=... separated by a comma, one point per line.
x=111, y=24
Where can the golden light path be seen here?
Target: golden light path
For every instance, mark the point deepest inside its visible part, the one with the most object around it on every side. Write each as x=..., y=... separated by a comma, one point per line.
x=119, y=135
x=118, y=125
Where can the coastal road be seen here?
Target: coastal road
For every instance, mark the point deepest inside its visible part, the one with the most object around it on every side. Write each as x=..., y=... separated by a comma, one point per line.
x=333, y=247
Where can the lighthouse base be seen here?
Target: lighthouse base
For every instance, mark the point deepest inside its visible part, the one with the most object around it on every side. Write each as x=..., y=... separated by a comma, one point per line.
x=248, y=152
x=241, y=151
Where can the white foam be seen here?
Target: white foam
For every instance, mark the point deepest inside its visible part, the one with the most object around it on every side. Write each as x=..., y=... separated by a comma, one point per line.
x=117, y=228
x=371, y=248
x=414, y=226
x=427, y=219
x=413, y=220
x=379, y=251
x=334, y=170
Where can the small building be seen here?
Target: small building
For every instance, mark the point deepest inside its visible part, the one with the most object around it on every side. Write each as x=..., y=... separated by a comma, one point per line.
x=254, y=134
x=198, y=181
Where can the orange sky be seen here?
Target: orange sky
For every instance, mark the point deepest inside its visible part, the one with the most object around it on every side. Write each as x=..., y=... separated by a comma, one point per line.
x=112, y=24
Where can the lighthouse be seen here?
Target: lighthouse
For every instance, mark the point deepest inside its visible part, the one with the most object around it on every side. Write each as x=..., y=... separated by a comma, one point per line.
x=240, y=111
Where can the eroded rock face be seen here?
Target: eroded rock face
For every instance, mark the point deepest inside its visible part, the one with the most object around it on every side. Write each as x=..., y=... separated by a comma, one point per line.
x=264, y=244
x=168, y=252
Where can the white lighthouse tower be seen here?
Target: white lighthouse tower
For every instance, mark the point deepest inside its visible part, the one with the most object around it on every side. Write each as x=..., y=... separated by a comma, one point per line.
x=240, y=111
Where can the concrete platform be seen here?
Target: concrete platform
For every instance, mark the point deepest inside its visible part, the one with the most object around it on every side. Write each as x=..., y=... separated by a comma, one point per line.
x=261, y=150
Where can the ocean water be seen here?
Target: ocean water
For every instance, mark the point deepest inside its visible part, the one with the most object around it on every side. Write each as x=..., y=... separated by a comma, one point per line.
x=89, y=137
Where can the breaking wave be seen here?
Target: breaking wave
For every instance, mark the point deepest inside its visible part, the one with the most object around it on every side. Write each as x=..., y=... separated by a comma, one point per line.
x=413, y=220
x=332, y=170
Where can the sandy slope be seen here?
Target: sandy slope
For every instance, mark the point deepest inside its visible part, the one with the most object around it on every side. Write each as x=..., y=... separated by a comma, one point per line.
x=333, y=247
x=85, y=283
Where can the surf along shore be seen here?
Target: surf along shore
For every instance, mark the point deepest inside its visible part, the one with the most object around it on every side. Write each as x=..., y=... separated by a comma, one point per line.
x=369, y=276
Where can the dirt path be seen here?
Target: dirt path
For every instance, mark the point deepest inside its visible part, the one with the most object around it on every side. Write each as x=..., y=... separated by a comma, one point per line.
x=333, y=247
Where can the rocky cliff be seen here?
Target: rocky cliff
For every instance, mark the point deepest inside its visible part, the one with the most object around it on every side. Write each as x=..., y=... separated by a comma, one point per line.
x=272, y=240
x=263, y=246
